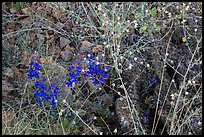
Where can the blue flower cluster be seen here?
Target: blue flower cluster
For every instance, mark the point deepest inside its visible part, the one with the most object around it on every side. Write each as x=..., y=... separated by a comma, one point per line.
x=95, y=72
x=74, y=76
x=34, y=70
x=42, y=92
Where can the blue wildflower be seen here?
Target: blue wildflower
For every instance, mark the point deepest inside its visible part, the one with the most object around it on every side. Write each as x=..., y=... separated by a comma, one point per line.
x=40, y=101
x=69, y=83
x=95, y=72
x=37, y=84
x=152, y=81
x=53, y=102
x=147, y=114
x=37, y=66
x=44, y=79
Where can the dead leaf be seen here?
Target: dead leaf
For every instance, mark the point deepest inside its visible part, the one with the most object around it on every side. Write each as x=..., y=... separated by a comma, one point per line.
x=6, y=86
x=97, y=49
x=7, y=117
x=9, y=74
x=32, y=35
x=50, y=21
x=86, y=46
x=17, y=73
x=13, y=10
x=25, y=11
x=25, y=58
x=100, y=47
x=41, y=60
x=27, y=20
x=58, y=14
x=49, y=10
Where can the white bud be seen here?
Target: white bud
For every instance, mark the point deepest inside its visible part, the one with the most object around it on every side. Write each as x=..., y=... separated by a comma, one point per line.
x=64, y=101
x=104, y=43
x=199, y=123
x=94, y=117
x=115, y=131
x=135, y=58
x=130, y=66
x=186, y=93
x=195, y=29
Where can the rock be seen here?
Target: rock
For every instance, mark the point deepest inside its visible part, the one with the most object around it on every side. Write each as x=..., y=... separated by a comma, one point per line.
x=67, y=55
x=64, y=42
x=86, y=46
